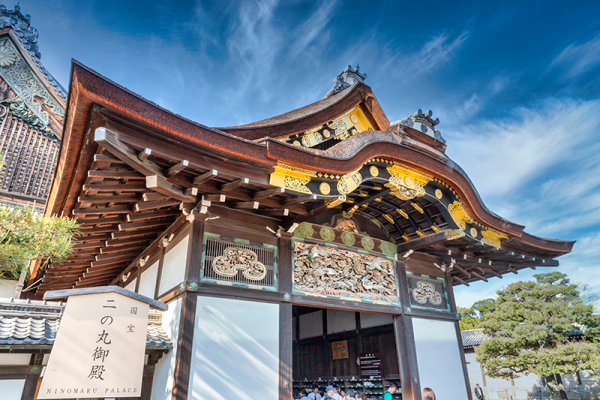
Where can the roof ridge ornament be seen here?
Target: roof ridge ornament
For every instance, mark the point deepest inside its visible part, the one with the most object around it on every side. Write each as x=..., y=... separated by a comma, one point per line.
x=28, y=35
x=348, y=77
x=422, y=121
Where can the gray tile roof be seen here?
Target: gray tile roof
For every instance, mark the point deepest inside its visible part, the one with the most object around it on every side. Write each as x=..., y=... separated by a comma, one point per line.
x=35, y=323
x=473, y=337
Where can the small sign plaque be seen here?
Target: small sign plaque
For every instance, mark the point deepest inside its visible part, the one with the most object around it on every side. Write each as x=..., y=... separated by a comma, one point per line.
x=99, y=349
x=340, y=350
x=370, y=366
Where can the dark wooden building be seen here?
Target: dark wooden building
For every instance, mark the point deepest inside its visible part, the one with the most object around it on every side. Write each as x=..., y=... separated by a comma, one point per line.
x=318, y=246
x=32, y=108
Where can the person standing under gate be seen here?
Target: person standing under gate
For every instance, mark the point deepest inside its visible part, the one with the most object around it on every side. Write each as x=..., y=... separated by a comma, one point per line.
x=315, y=395
x=302, y=394
x=479, y=393
x=390, y=391
x=428, y=394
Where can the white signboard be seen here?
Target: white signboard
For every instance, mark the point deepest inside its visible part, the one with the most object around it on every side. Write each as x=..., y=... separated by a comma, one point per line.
x=99, y=349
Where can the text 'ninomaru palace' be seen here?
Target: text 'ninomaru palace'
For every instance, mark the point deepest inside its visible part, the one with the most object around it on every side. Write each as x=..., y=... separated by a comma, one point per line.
x=318, y=246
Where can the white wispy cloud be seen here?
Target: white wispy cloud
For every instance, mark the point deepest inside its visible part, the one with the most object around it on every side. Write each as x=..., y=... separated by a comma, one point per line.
x=580, y=58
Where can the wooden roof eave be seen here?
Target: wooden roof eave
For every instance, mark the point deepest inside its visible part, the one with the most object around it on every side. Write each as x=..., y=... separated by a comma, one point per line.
x=357, y=94
x=412, y=154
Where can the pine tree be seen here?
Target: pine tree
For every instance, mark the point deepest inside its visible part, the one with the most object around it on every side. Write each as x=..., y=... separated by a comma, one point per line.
x=532, y=328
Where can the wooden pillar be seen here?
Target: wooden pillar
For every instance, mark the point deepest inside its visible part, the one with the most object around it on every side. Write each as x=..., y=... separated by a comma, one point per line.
x=31, y=382
x=461, y=349
x=284, y=285
x=185, y=338
x=187, y=321
x=405, y=342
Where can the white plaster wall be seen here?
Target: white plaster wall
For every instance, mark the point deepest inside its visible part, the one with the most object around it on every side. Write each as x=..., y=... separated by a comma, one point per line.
x=173, y=272
x=148, y=281
x=235, y=354
x=131, y=285
x=7, y=288
x=15, y=359
x=439, y=359
x=12, y=389
x=340, y=321
x=311, y=324
x=162, y=384
x=369, y=320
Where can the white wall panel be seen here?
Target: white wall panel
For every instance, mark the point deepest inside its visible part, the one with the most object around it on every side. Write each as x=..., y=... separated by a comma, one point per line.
x=439, y=358
x=12, y=389
x=236, y=350
x=162, y=384
x=173, y=272
x=148, y=280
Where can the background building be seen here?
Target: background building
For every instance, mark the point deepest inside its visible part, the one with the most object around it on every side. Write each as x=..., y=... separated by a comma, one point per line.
x=32, y=108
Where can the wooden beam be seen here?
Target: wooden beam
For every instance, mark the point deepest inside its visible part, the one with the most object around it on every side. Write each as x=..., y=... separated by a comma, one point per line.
x=226, y=187
x=115, y=174
x=200, y=179
x=428, y=240
x=153, y=205
x=477, y=275
x=130, y=234
x=107, y=158
x=145, y=224
x=100, y=221
x=263, y=194
x=251, y=205
x=159, y=184
x=151, y=196
x=126, y=258
x=456, y=278
x=109, y=199
x=216, y=198
x=110, y=250
x=177, y=168
x=299, y=200
x=150, y=215
x=282, y=212
x=116, y=187
x=144, y=154
x=131, y=252
x=102, y=210
x=122, y=242
x=462, y=271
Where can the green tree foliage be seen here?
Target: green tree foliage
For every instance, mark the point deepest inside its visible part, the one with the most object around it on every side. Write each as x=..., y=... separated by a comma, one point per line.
x=25, y=235
x=531, y=330
x=470, y=318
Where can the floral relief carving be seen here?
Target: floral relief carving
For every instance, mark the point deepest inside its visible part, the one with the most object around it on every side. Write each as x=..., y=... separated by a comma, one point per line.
x=235, y=259
x=426, y=291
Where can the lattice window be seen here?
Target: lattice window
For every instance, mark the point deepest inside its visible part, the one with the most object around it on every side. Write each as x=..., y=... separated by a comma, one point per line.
x=427, y=292
x=239, y=262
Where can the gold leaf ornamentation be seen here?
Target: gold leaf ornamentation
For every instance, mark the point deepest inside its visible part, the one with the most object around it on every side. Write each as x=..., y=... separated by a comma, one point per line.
x=452, y=234
x=493, y=238
x=292, y=178
x=473, y=232
x=348, y=238
x=336, y=201
x=324, y=188
x=406, y=183
x=367, y=243
x=374, y=171
x=439, y=194
x=459, y=215
x=349, y=182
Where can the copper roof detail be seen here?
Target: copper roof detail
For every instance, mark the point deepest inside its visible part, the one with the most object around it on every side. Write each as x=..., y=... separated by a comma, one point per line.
x=348, y=77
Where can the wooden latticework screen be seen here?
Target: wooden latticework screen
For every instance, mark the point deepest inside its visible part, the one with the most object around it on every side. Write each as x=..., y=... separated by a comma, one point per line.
x=30, y=156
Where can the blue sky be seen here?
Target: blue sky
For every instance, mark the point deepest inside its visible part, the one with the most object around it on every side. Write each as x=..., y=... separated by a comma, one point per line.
x=515, y=84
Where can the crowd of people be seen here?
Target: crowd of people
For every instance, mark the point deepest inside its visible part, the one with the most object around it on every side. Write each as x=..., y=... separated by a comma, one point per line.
x=336, y=393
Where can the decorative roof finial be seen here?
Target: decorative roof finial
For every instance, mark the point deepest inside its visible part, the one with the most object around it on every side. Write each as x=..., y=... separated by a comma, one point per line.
x=21, y=24
x=345, y=79
x=422, y=121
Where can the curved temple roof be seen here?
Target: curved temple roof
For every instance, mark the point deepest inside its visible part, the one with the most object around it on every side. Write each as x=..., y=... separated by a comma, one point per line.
x=340, y=152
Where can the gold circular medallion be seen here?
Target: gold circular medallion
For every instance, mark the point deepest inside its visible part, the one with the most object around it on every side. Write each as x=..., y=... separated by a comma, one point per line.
x=296, y=143
x=408, y=181
x=374, y=170
x=326, y=133
x=354, y=119
x=474, y=232
x=438, y=193
x=324, y=188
